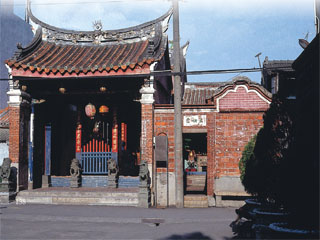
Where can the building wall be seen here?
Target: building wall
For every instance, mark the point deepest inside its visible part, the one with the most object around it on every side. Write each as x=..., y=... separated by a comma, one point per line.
x=232, y=119
x=233, y=131
x=227, y=135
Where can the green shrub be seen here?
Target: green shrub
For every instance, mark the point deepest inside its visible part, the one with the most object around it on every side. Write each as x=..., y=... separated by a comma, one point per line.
x=246, y=155
x=251, y=178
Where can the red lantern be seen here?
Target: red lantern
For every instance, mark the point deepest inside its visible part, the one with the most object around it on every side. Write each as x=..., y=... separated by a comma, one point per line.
x=90, y=110
x=103, y=109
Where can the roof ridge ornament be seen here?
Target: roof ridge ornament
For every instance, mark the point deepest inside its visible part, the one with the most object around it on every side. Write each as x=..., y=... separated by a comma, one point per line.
x=147, y=30
x=97, y=25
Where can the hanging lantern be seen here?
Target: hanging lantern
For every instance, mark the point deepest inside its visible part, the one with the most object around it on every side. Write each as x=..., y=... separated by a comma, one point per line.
x=103, y=110
x=103, y=89
x=24, y=88
x=90, y=110
x=62, y=90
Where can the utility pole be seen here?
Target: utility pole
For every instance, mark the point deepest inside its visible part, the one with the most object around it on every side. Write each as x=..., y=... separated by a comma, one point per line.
x=177, y=108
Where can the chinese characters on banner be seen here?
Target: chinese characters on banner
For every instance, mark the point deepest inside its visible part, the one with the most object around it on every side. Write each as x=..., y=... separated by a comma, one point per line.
x=115, y=138
x=195, y=120
x=124, y=135
x=78, y=138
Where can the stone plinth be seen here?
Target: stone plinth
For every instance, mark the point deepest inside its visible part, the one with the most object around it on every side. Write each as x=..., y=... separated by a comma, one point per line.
x=46, y=181
x=5, y=187
x=6, y=197
x=7, y=192
x=144, y=197
x=112, y=181
x=144, y=186
x=75, y=182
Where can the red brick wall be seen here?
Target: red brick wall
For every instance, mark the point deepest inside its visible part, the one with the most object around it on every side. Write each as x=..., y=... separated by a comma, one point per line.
x=18, y=142
x=239, y=118
x=14, y=133
x=211, y=168
x=227, y=134
x=241, y=100
x=164, y=125
x=146, y=141
x=233, y=131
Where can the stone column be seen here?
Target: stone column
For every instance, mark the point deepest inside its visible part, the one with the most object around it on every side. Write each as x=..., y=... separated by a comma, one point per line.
x=19, y=118
x=146, y=140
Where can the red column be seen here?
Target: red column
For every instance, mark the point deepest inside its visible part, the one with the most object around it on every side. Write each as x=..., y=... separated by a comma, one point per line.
x=146, y=144
x=19, y=119
x=146, y=132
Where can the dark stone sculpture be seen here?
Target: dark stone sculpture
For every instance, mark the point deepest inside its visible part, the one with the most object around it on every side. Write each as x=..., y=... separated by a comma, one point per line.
x=144, y=175
x=75, y=172
x=5, y=170
x=144, y=187
x=113, y=173
x=7, y=186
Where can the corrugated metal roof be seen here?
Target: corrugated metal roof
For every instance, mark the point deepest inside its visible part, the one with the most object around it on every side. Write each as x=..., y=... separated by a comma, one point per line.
x=4, y=134
x=4, y=117
x=197, y=94
x=280, y=65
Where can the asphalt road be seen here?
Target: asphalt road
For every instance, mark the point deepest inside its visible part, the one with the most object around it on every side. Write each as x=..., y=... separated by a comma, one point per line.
x=101, y=222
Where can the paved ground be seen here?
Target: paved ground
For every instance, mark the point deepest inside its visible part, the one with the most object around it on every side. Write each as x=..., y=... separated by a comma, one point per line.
x=101, y=222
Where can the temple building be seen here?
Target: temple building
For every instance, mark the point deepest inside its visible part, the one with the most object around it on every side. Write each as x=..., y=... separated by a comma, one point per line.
x=91, y=95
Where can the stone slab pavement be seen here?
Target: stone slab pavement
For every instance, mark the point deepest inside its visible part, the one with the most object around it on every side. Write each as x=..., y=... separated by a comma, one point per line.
x=103, y=222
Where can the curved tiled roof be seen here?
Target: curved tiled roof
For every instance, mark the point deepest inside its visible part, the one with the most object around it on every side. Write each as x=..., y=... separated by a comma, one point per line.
x=48, y=57
x=54, y=50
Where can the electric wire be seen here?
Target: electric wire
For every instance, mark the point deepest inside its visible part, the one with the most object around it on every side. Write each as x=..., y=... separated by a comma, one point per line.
x=162, y=73
x=79, y=2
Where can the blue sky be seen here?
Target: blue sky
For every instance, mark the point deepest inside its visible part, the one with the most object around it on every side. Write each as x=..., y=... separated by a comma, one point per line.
x=223, y=34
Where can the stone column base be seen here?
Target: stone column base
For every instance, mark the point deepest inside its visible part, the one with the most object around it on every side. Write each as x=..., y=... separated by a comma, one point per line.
x=46, y=181
x=144, y=197
x=30, y=185
x=112, y=182
x=75, y=182
x=7, y=197
x=6, y=187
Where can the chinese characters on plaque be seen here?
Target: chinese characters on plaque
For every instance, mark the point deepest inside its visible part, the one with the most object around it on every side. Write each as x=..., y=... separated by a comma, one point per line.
x=194, y=120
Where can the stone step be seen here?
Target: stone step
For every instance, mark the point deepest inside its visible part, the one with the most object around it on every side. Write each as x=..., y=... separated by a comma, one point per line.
x=77, y=193
x=95, y=181
x=79, y=201
x=109, y=197
x=196, y=201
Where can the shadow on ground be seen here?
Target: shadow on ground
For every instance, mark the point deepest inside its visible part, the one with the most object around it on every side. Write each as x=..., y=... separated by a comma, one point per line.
x=194, y=235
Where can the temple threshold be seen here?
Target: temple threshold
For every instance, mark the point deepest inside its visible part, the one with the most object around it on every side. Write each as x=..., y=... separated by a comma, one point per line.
x=80, y=196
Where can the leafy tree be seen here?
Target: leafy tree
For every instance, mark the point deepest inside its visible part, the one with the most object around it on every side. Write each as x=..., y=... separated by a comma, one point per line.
x=264, y=168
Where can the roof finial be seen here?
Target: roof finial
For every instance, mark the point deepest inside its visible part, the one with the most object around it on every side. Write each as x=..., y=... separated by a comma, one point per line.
x=97, y=25
x=26, y=16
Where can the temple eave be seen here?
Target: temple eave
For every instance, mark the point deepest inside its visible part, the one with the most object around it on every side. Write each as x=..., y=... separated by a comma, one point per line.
x=145, y=69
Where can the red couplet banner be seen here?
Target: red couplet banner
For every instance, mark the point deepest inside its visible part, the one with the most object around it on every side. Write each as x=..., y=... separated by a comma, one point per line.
x=78, y=138
x=115, y=138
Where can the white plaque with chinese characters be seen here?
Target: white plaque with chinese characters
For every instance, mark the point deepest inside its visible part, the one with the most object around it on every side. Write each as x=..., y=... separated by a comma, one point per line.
x=194, y=120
